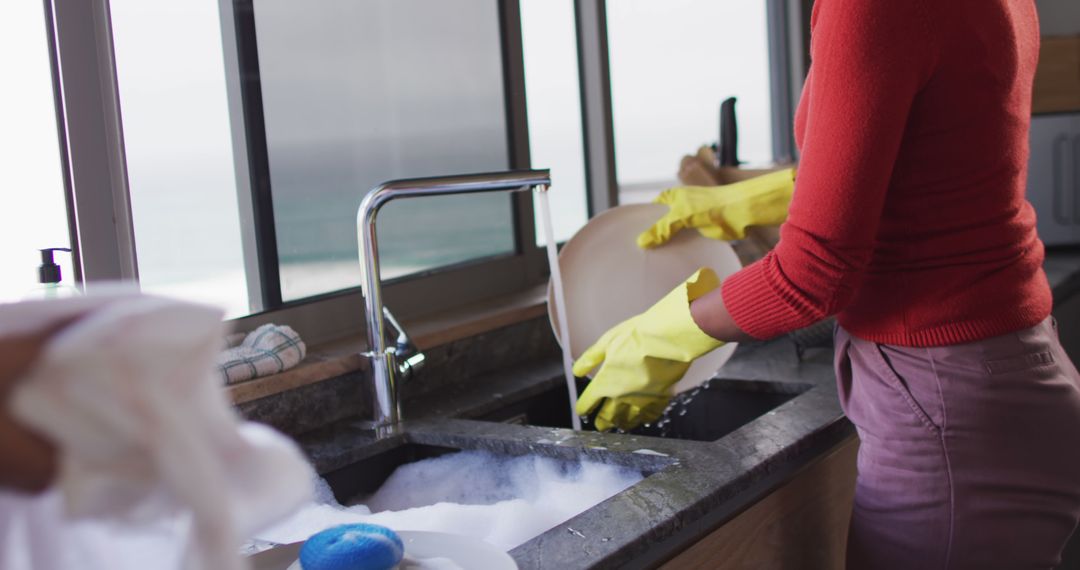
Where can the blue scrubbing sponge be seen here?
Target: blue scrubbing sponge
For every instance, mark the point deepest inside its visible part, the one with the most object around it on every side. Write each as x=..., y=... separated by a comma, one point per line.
x=352, y=547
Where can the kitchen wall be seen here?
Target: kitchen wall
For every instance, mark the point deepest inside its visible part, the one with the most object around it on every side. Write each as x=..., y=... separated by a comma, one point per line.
x=1059, y=17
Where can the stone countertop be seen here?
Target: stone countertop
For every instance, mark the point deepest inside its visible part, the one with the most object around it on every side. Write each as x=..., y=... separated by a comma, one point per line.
x=691, y=487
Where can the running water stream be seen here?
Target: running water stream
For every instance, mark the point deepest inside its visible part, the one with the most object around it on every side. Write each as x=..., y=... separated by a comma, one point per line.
x=560, y=303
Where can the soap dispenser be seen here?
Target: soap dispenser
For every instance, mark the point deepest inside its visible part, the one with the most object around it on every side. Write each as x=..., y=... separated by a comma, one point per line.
x=49, y=277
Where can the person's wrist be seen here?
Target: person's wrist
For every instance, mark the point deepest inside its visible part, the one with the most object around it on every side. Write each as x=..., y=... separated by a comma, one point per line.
x=28, y=462
x=712, y=317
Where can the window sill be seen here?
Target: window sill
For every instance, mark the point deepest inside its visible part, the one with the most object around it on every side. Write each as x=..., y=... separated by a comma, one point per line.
x=342, y=356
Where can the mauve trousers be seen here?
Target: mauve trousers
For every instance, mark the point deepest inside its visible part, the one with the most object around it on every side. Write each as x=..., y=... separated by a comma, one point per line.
x=969, y=454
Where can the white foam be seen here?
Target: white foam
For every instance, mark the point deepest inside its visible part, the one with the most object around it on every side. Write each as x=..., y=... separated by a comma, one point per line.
x=649, y=452
x=429, y=564
x=503, y=500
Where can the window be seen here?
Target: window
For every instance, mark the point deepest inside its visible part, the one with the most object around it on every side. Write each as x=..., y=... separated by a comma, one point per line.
x=553, y=95
x=251, y=130
x=171, y=77
x=34, y=215
x=672, y=63
x=358, y=93
x=254, y=131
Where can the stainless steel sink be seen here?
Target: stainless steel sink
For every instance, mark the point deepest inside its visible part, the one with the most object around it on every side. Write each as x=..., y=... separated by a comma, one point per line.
x=720, y=407
x=356, y=478
x=359, y=479
x=364, y=477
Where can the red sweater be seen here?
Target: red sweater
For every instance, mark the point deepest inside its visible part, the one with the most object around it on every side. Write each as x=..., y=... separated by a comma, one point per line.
x=909, y=220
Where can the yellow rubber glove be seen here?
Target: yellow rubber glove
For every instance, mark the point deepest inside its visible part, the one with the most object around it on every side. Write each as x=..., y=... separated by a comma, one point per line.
x=644, y=356
x=723, y=212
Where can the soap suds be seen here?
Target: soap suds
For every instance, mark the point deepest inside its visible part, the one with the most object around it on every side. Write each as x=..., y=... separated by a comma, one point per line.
x=503, y=500
x=429, y=564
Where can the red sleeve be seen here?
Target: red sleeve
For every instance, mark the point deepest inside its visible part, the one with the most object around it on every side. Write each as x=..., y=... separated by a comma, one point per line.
x=870, y=59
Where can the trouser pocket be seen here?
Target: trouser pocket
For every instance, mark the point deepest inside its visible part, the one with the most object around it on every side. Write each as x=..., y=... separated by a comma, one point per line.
x=918, y=369
x=880, y=399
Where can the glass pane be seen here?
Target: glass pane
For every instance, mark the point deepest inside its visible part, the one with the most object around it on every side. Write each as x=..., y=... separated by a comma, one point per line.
x=357, y=93
x=171, y=73
x=672, y=63
x=34, y=215
x=553, y=94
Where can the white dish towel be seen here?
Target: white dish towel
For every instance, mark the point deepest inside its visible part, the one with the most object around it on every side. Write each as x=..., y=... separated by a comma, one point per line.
x=156, y=469
x=266, y=350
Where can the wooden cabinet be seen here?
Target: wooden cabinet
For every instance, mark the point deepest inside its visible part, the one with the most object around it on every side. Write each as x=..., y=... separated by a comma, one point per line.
x=1054, y=177
x=1067, y=313
x=1057, y=79
x=800, y=526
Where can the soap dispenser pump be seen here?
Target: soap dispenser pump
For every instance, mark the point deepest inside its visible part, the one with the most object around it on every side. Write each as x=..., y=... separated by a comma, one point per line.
x=49, y=277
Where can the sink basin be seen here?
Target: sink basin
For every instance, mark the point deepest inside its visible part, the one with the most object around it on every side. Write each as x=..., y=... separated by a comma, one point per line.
x=365, y=476
x=506, y=497
x=717, y=408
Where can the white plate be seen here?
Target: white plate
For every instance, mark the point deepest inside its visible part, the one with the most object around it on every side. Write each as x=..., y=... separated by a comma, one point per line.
x=607, y=278
x=466, y=551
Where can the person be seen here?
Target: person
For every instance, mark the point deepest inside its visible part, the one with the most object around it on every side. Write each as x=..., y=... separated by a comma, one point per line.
x=908, y=223
x=28, y=461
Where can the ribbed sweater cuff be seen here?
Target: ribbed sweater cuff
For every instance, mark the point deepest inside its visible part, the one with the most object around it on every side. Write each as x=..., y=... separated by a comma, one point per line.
x=951, y=333
x=761, y=303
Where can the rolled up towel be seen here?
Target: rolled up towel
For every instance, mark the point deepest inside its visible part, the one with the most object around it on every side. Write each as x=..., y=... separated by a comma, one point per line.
x=266, y=350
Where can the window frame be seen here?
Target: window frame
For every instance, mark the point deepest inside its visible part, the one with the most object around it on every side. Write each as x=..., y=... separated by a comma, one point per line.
x=427, y=292
x=97, y=185
x=787, y=69
x=598, y=126
x=103, y=241
x=91, y=140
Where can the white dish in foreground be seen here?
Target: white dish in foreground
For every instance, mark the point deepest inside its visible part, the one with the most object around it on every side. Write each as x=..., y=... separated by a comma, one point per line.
x=465, y=551
x=607, y=278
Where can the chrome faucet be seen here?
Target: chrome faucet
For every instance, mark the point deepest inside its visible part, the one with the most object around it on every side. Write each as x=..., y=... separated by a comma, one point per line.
x=391, y=365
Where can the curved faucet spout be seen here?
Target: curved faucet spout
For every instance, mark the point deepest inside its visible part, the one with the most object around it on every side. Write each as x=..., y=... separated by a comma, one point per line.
x=389, y=364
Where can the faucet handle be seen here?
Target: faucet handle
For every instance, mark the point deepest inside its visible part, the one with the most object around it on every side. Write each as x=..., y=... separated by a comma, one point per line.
x=402, y=340
x=408, y=356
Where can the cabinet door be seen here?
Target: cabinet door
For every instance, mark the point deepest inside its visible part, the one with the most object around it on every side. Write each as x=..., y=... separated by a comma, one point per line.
x=1051, y=181
x=1074, y=173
